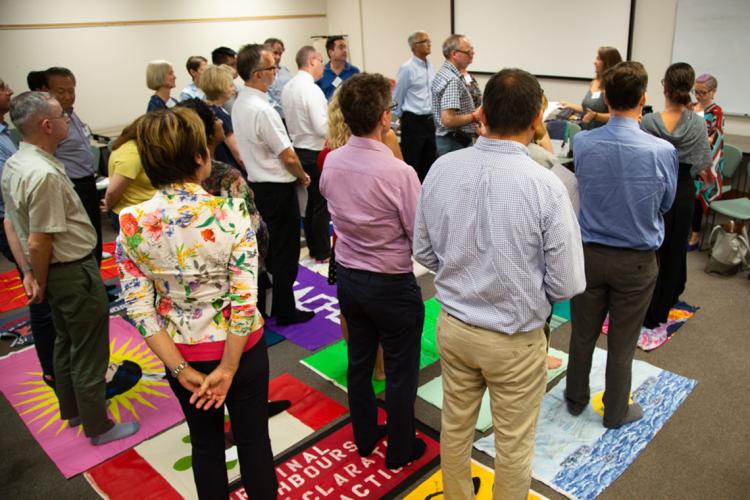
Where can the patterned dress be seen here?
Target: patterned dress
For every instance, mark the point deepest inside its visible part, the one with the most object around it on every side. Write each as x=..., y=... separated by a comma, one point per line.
x=706, y=193
x=188, y=264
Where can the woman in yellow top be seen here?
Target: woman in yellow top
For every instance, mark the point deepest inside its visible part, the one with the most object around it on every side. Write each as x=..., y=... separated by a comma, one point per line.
x=128, y=182
x=188, y=266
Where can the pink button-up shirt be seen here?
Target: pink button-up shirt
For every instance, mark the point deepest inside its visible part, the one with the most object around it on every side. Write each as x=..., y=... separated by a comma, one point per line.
x=372, y=198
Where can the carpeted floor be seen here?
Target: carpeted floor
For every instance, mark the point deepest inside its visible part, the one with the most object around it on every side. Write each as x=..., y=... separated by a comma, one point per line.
x=702, y=452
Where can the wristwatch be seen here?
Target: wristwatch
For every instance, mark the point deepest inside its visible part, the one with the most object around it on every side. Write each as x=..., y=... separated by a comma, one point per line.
x=178, y=369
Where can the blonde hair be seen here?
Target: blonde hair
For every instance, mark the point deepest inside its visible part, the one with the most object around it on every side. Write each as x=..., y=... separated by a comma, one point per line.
x=169, y=141
x=156, y=74
x=338, y=130
x=541, y=130
x=215, y=80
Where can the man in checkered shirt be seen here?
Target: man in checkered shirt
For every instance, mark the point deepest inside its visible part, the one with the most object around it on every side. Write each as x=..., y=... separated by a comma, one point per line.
x=452, y=106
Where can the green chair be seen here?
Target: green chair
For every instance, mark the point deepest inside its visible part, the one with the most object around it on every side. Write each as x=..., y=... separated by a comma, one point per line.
x=732, y=159
x=737, y=209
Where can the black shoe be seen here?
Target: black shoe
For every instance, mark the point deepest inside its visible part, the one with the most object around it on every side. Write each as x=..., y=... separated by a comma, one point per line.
x=297, y=317
x=574, y=409
x=419, y=448
x=276, y=407
x=381, y=432
x=635, y=413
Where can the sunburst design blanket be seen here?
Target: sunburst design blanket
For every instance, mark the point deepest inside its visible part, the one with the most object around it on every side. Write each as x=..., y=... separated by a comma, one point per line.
x=150, y=402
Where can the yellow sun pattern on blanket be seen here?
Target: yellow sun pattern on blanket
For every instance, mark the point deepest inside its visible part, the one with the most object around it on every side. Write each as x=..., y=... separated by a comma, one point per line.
x=42, y=402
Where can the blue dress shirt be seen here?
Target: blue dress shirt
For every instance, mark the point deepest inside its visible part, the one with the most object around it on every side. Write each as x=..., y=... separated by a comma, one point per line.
x=412, y=92
x=274, y=91
x=627, y=179
x=7, y=149
x=191, y=92
x=500, y=234
x=75, y=150
x=326, y=83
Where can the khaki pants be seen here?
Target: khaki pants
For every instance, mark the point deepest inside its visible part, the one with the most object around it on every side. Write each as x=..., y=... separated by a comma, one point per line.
x=513, y=368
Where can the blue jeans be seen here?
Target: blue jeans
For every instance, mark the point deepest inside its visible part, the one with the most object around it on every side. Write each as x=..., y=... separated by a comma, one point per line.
x=445, y=144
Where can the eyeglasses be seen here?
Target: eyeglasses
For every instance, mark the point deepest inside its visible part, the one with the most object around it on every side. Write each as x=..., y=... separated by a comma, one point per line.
x=467, y=52
x=64, y=116
x=428, y=41
x=267, y=68
x=701, y=93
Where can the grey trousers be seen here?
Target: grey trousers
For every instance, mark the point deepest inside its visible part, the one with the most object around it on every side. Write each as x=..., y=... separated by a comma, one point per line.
x=80, y=309
x=620, y=282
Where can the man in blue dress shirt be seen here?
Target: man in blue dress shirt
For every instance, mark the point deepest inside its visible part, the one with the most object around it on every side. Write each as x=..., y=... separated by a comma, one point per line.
x=502, y=237
x=626, y=180
x=413, y=101
x=337, y=69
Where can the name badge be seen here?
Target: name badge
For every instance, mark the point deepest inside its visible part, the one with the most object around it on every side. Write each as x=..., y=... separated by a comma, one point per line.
x=596, y=95
x=337, y=82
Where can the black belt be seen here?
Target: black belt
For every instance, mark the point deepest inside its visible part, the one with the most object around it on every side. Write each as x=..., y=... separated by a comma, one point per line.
x=426, y=118
x=86, y=178
x=72, y=262
x=386, y=276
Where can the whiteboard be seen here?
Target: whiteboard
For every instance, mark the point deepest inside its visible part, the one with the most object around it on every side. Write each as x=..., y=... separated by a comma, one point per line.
x=714, y=37
x=551, y=38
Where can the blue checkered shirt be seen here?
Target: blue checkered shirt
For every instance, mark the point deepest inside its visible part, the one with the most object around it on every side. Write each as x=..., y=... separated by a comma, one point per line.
x=501, y=236
x=450, y=92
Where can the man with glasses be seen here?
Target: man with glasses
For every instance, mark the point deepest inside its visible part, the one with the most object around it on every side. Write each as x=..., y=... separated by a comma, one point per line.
x=75, y=150
x=273, y=169
x=276, y=47
x=56, y=236
x=307, y=121
x=337, y=70
x=453, y=108
x=414, y=105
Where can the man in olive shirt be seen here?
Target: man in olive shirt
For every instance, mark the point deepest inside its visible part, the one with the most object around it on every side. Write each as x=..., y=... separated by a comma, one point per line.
x=56, y=236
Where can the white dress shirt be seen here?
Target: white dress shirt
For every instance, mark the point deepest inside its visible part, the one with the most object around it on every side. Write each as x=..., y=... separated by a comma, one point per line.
x=306, y=112
x=261, y=137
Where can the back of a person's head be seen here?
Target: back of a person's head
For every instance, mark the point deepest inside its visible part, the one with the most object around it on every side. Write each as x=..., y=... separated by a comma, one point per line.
x=511, y=101
x=169, y=140
x=625, y=84
x=36, y=80
x=363, y=98
x=26, y=107
x=609, y=56
x=128, y=134
x=221, y=55
x=204, y=112
x=248, y=59
x=678, y=82
x=215, y=81
x=338, y=130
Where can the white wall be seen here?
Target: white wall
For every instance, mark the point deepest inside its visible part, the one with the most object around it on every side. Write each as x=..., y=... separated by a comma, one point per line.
x=387, y=23
x=110, y=61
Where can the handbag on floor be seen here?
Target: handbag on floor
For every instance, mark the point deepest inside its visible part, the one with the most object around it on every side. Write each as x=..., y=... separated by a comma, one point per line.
x=730, y=250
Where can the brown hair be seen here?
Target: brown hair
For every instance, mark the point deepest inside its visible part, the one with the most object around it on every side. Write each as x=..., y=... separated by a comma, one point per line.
x=128, y=133
x=363, y=99
x=609, y=57
x=678, y=82
x=169, y=140
x=625, y=84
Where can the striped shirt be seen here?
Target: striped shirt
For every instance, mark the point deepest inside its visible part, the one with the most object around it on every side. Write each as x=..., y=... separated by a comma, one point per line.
x=450, y=92
x=501, y=236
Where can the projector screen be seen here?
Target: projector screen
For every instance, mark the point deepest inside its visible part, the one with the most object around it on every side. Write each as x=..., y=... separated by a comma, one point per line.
x=549, y=38
x=714, y=38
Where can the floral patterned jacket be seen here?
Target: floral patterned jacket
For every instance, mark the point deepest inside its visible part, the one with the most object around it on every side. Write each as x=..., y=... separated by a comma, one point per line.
x=188, y=264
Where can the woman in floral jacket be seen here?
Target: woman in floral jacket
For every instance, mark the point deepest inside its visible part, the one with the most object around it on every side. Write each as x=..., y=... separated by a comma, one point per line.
x=188, y=266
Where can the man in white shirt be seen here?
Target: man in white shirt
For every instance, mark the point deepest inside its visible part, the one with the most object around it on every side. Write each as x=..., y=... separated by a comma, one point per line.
x=413, y=100
x=273, y=168
x=307, y=120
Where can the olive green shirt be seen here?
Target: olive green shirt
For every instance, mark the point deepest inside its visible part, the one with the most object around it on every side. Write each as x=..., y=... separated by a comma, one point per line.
x=39, y=198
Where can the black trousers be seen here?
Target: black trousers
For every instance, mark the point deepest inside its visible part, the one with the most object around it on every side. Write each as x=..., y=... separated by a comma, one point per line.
x=619, y=281
x=40, y=317
x=418, y=142
x=317, y=219
x=672, y=254
x=247, y=402
x=277, y=204
x=85, y=187
x=387, y=310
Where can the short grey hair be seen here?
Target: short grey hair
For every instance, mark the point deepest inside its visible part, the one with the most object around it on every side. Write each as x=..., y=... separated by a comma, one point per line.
x=303, y=55
x=452, y=43
x=413, y=38
x=27, y=106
